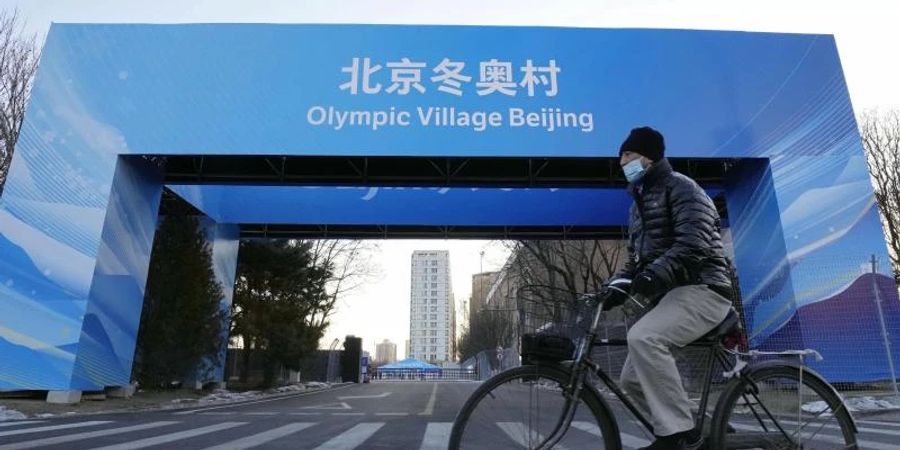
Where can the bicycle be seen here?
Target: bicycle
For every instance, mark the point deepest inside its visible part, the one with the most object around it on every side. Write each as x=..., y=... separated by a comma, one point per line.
x=777, y=403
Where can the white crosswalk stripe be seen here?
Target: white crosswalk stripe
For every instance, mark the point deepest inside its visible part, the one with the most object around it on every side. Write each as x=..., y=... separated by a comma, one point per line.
x=831, y=426
x=166, y=438
x=879, y=423
x=831, y=438
x=83, y=436
x=628, y=441
x=53, y=427
x=434, y=435
x=262, y=438
x=351, y=438
x=519, y=433
x=437, y=435
x=16, y=423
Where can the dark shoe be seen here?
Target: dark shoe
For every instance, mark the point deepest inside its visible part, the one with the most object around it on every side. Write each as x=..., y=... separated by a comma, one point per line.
x=686, y=440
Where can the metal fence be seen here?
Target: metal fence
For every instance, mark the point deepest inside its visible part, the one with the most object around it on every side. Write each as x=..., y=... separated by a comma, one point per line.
x=421, y=375
x=320, y=365
x=846, y=307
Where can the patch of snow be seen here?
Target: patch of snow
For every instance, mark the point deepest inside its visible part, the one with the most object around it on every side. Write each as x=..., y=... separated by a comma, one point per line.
x=856, y=404
x=10, y=414
x=224, y=395
x=291, y=388
x=815, y=407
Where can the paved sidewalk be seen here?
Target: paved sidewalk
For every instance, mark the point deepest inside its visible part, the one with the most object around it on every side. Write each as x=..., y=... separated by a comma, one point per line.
x=153, y=400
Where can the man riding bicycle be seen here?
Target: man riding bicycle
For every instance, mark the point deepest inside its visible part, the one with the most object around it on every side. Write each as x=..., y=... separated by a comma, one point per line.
x=675, y=261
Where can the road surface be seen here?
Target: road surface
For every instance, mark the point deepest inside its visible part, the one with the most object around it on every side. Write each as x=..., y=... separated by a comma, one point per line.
x=401, y=415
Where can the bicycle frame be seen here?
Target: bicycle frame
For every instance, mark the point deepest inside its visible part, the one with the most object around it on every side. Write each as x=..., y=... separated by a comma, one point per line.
x=736, y=370
x=582, y=363
x=714, y=350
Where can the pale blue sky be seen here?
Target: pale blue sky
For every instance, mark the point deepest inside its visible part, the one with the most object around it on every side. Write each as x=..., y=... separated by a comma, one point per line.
x=865, y=30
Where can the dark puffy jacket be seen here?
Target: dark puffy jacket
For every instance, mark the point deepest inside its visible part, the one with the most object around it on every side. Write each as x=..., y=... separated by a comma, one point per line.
x=674, y=232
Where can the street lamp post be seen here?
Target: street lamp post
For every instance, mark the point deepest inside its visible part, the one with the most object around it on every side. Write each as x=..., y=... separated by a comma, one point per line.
x=481, y=278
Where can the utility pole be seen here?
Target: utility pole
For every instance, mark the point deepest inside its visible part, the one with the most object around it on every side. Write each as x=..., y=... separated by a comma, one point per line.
x=884, y=332
x=481, y=278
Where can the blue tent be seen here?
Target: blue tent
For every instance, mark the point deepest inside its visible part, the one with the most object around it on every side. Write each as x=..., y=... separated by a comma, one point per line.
x=410, y=365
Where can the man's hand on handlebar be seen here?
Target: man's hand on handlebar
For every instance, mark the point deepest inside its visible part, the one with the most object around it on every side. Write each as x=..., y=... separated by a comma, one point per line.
x=614, y=293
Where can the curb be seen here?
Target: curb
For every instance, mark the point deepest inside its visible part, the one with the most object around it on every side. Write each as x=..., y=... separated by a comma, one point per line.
x=194, y=405
x=876, y=413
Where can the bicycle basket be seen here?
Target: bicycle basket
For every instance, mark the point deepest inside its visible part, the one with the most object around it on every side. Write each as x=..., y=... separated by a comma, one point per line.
x=550, y=325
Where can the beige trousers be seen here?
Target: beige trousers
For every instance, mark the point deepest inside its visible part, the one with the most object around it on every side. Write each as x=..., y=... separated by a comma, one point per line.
x=650, y=376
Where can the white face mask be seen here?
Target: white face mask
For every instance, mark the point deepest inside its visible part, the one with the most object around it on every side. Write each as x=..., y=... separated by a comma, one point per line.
x=634, y=170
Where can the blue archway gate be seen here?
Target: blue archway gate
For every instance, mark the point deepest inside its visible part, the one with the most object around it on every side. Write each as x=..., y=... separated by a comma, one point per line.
x=110, y=102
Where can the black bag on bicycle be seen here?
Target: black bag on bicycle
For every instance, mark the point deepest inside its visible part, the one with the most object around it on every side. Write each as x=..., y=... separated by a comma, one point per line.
x=546, y=347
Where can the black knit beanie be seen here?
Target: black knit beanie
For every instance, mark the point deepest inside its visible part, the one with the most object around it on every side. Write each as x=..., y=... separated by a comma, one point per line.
x=645, y=141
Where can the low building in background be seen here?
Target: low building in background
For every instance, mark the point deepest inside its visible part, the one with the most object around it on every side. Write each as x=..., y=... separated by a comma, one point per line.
x=385, y=352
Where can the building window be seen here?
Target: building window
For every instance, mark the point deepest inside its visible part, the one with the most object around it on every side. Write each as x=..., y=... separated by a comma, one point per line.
x=434, y=278
x=434, y=317
x=434, y=293
x=433, y=324
x=434, y=270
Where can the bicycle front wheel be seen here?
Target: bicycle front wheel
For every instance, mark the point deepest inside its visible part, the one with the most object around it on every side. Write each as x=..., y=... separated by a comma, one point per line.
x=522, y=407
x=781, y=406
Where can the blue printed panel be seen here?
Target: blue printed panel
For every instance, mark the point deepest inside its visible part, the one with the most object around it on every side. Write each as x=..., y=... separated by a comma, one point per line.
x=76, y=221
x=263, y=89
x=224, y=240
x=110, y=327
x=408, y=206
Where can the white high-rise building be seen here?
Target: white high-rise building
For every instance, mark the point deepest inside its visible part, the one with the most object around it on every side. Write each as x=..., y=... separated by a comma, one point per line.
x=432, y=313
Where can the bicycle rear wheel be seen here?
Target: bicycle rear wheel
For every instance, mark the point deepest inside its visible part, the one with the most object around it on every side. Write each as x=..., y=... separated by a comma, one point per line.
x=521, y=407
x=781, y=406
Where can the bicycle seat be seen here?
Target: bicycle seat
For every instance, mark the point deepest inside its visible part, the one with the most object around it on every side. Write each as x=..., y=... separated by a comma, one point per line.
x=726, y=327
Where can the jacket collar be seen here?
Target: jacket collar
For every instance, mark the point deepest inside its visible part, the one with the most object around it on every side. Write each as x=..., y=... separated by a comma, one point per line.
x=656, y=172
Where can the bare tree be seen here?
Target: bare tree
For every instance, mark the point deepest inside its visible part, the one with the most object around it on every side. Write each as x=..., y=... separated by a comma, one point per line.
x=545, y=273
x=880, y=132
x=350, y=262
x=487, y=330
x=572, y=266
x=19, y=57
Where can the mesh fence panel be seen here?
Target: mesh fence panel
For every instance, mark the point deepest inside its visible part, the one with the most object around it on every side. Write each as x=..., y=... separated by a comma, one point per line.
x=842, y=306
x=845, y=307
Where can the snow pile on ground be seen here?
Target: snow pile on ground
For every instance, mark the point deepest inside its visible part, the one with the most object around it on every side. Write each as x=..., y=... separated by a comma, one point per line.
x=857, y=404
x=224, y=395
x=229, y=396
x=291, y=388
x=221, y=395
x=10, y=414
